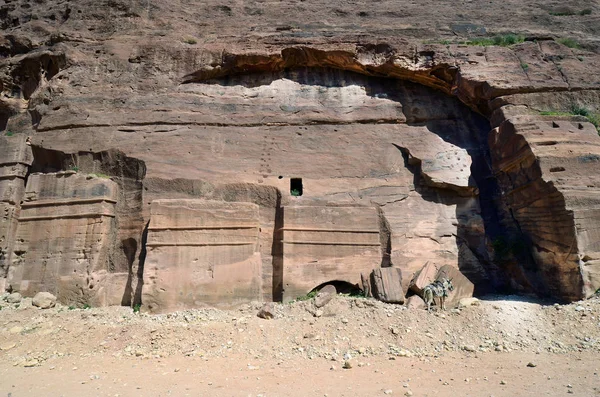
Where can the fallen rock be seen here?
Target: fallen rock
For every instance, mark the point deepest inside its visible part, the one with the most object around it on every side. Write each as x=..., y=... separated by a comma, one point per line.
x=415, y=302
x=386, y=285
x=267, y=311
x=15, y=297
x=463, y=288
x=466, y=302
x=423, y=278
x=325, y=295
x=44, y=300
x=26, y=303
x=31, y=363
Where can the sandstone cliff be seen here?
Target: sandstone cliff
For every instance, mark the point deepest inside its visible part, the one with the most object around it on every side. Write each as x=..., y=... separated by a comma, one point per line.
x=337, y=139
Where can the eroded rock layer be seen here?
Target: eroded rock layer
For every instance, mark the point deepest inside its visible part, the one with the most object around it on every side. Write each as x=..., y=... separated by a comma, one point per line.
x=65, y=233
x=547, y=170
x=288, y=109
x=201, y=253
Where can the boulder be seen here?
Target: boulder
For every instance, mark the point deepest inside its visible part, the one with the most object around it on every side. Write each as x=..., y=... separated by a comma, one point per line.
x=44, y=300
x=267, y=311
x=466, y=302
x=325, y=295
x=463, y=288
x=423, y=277
x=386, y=285
x=15, y=297
x=415, y=302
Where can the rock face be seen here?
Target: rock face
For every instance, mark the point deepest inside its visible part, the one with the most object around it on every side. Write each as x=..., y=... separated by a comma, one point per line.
x=15, y=159
x=64, y=236
x=321, y=244
x=355, y=145
x=201, y=252
x=547, y=171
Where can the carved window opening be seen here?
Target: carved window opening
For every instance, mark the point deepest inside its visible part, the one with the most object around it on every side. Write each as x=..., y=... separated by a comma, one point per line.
x=296, y=187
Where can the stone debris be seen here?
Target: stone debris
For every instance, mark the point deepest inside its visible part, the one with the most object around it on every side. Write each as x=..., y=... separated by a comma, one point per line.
x=15, y=297
x=44, y=300
x=267, y=311
x=423, y=277
x=386, y=285
x=325, y=295
x=415, y=302
x=466, y=302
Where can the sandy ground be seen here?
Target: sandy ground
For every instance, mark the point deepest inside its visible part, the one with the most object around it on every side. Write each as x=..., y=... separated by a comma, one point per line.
x=505, y=346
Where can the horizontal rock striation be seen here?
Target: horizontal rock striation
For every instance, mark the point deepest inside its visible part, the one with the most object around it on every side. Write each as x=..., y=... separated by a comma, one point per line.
x=304, y=106
x=546, y=169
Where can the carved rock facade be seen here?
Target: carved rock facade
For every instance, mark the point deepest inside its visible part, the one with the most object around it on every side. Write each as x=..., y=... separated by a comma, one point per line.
x=337, y=152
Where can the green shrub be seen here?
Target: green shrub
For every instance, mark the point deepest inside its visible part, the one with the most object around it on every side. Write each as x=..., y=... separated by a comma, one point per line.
x=8, y=133
x=501, y=40
x=577, y=110
x=136, y=308
x=568, y=42
x=295, y=192
x=306, y=297
x=524, y=66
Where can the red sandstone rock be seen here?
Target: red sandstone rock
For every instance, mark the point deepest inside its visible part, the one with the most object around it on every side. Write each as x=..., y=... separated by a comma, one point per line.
x=422, y=278
x=415, y=302
x=463, y=288
x=367, y=116
x=386, y=285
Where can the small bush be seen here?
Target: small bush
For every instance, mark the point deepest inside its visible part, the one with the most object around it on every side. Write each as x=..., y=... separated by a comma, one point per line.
x=9, y=133
x=562, y=13
x=86, y=306
x=295, y=192
x=501, y=40
x=307, y=297
x=524, y=66
x=586, y=11
x=74, y=168
x=136, y=308
x=568, y=42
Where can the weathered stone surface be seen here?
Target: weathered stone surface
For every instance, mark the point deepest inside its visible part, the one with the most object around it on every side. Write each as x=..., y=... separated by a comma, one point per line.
x=64, y=238
x=386, y=285
x=362, y=108
x=267, y=311
x=423, y=277
x=463, y=288
x=547, y=171
x=15, y=159
x=199, y=253
x=466, y=302
x=322, y=244
x=15, y=297
x=325, y=295
x=44, y=300
x=415, y=302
